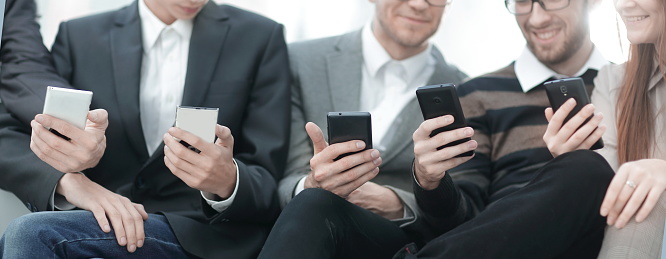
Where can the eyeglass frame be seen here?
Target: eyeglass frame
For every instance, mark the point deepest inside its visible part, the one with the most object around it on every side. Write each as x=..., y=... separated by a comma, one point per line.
x=428, y=1
x=540, y=2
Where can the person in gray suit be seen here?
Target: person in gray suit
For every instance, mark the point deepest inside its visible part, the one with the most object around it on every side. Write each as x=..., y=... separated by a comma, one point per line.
x=375, y=69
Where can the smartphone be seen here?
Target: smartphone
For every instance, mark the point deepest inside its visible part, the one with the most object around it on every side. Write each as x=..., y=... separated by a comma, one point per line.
x=559, y=91
x=346, y=126
x=200, y=121
x=70, y=105
x=440, y=100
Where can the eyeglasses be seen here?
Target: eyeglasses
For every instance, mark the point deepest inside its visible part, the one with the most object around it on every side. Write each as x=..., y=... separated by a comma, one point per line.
x=437, y=3
x=522, y=7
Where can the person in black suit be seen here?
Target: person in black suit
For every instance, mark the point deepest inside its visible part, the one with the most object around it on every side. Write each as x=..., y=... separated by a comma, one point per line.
x=144, y=194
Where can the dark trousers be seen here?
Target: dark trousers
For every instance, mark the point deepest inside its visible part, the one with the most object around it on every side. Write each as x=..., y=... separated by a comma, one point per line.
x=555, y=216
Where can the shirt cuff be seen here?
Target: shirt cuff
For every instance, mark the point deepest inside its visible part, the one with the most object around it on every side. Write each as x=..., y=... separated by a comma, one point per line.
x=221, y=206
x=59, y=202
x=300, y=186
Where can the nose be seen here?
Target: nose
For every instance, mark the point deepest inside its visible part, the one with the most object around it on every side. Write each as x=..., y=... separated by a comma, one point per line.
x=539, y=16
x=418, y=4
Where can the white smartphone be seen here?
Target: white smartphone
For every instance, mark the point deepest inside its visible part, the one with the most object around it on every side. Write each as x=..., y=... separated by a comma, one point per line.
x=200, y=121
x=70, y=105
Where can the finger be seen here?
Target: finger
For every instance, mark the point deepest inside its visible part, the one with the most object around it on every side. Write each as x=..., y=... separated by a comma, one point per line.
x=317, y=137
x=583, y=133
x=52, y=155
x=100, y=217
x=436, y=167
x=549, y=113
x=649, y=204
x=351, y=175
x=178, y=149
x=137, y=220
x=59, y=125
x=179, y=163
x=334, y=151
x=182, y=175
x=571, y=126
x=127, y=221
x=327, y=170
x=557, y=120
x=635, y=201
x=345, y=190
x=141, y=211
x=191, y=139
x=225, y=138
x=115, y=217
x=99, y=119
x=593, y=138
x=611, y=194
x=427, y=127
x=620, y=203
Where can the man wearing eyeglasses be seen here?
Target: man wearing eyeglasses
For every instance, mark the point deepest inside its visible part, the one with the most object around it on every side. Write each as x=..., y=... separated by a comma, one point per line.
x=375, y=69
x=512, y=199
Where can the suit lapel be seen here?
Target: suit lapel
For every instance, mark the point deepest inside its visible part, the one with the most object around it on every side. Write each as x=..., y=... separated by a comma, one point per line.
x=208, y=36
x=400, y=133
x=344, y=70
x=127, y=53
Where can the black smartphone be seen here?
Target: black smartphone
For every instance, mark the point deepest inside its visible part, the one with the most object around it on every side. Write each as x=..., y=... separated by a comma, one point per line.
x=440, y=100
x=561, y=90
x=346, y=126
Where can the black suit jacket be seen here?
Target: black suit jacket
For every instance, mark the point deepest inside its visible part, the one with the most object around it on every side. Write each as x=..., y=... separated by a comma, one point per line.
x=237, y=62
x=27, y=66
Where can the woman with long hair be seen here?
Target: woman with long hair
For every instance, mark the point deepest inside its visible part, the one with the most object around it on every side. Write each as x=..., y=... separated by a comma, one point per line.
x=632, y=99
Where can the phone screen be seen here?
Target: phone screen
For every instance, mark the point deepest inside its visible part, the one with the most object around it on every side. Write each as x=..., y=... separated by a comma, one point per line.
x=346, y=126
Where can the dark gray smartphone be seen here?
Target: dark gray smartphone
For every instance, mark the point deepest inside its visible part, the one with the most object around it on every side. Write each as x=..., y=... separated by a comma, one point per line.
x=561, y=90
x=440, y=100
x=346, y=126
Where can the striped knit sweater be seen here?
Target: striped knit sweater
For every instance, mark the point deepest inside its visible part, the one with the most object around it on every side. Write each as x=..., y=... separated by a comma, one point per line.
x=508, y=126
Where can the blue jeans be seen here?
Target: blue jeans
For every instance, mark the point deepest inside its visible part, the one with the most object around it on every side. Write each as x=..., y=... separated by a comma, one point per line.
x=76, y=234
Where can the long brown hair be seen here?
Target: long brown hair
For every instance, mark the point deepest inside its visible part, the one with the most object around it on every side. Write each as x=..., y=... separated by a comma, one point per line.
x=635, y=122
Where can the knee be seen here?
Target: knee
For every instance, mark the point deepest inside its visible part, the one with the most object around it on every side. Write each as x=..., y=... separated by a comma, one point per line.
x=312, y=202
x=582, y=169
x=27, y=228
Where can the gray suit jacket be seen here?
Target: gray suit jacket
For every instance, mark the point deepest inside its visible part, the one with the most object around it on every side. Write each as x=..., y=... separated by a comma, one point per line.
x=326, y=77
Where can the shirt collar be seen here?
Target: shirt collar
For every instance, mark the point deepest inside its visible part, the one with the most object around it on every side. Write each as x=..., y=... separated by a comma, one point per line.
x=375, y=56
x=152, y=26
x=531, y=72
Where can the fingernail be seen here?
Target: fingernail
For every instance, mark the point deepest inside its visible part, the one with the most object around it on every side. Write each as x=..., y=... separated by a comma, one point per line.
x=360, y=144
x=449, y=118
x=107, y=228
x=471, y=144
x=132, y=248
x=604, y=211
x=469, y=132
x=139, y=243
x=611, y=221
x=123, y=240
x=39, y=118
x=94, y=116
x=377, y=161
x=375, y=154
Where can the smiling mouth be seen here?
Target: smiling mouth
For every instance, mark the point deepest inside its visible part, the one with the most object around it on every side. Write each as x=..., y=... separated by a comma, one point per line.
x=546, y=35
x=636, y=18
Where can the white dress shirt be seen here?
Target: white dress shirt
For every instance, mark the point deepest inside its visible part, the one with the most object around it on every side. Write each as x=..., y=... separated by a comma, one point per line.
x=387, y=86
x=531, y=72
x=163, y=71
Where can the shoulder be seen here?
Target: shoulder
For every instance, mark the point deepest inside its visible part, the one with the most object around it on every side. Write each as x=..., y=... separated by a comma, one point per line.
x=97, y=20
x=609, y=78
x=318, y=47
x=247, y=18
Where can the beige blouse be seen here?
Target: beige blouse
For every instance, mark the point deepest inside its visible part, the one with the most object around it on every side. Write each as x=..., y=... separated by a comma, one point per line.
x=604, y=98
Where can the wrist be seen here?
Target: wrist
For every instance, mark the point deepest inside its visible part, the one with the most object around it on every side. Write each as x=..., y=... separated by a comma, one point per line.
x=67, y=181
x=229, y=186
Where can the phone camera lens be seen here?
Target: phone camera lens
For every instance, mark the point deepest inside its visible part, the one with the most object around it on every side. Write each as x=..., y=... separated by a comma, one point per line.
x=563, y=89
x=437, y=100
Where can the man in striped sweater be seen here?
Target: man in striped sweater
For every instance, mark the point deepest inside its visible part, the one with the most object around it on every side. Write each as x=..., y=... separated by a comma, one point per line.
x=512, y=199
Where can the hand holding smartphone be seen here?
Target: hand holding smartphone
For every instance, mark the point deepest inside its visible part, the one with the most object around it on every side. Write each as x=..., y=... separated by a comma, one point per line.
x=440, y=100
x=70, y=105
x=346, y=126
x=559, y=91
x=200, y=121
